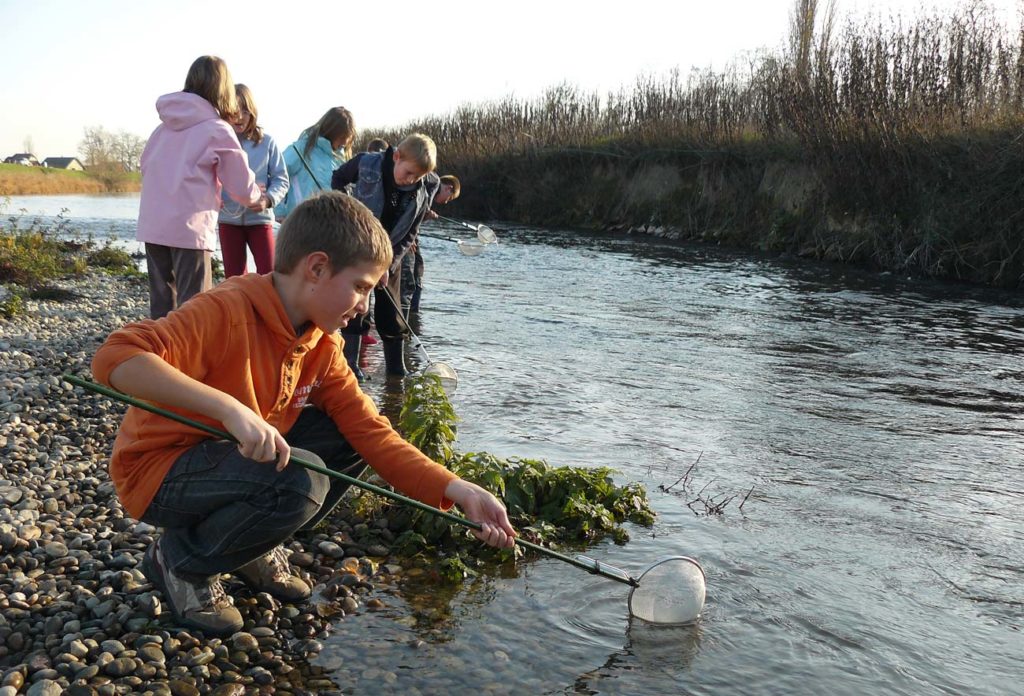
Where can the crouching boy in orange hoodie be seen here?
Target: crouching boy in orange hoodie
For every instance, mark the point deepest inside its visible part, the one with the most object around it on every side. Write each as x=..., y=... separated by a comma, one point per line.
x=260, y=357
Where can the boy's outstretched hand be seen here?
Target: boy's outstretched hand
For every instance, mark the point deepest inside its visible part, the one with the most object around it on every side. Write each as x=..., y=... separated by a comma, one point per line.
x=484, y=509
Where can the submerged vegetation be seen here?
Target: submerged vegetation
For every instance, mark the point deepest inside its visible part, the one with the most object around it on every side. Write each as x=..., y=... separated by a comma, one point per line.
x=892, y=142
x=555, y=506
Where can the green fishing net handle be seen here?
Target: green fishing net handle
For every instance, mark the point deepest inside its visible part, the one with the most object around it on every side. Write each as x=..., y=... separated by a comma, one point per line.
x=588, y=564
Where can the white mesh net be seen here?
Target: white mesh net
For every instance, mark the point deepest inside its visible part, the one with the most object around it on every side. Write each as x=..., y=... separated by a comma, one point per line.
x=486, y=235
x=471, y=248
x=670, y=592
x=446, y=373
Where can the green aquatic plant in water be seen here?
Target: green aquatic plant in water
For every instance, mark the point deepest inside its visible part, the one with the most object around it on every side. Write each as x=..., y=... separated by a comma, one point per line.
x=427, y=418
x=550, y=505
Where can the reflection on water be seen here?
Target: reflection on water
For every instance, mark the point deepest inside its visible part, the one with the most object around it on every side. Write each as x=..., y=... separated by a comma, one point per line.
x=654, y=654
x=877, y=418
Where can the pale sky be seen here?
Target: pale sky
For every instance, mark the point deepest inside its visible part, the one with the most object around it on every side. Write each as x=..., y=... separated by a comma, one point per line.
x=69, y=64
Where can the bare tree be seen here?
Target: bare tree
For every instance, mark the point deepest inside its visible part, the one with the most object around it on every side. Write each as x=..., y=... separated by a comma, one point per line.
x=96, y=146
x=126, y=149
x=102, y=149
x=28, y=145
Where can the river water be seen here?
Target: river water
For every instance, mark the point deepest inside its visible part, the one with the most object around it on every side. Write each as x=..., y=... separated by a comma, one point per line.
x=877, y=419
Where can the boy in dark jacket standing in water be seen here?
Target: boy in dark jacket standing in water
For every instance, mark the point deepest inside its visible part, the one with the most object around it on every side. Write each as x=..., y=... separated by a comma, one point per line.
x=448, y=190
x=394, y=185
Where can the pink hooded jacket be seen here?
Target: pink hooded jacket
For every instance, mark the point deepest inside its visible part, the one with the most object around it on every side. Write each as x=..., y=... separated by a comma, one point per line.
x=186, y=161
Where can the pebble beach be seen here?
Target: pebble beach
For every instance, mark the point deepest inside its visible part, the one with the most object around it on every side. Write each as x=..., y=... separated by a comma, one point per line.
x=77, y=616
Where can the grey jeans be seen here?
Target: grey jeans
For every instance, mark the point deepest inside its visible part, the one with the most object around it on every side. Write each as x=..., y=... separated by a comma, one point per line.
x=221, y=510
x=175, y=275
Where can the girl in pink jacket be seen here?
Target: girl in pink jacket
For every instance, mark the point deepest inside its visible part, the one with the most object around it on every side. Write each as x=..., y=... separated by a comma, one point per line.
x=190, y=156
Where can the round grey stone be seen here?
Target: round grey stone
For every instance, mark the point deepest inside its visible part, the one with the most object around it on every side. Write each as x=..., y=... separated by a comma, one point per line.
x=121, y=667
x=45, y=687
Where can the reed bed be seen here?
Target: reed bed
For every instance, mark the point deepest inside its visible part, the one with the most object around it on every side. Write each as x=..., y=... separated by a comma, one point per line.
x=931, y=76
x=910, y=125
x=19, y=180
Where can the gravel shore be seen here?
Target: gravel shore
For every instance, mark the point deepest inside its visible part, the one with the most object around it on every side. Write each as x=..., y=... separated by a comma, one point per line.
x=76, y=614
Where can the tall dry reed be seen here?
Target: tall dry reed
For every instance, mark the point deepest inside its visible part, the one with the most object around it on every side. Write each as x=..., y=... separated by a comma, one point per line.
x=910, y=120
x=933, y=75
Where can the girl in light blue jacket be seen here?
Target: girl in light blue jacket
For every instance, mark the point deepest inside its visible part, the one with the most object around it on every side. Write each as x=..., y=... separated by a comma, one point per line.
x=312, y=159
x=252, y=226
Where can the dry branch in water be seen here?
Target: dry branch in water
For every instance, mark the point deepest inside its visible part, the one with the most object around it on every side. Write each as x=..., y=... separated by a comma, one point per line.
x=685, y=478
x=701, y=503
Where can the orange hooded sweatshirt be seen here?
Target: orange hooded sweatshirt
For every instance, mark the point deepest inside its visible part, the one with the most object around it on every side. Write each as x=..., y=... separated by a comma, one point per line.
x=237, y=338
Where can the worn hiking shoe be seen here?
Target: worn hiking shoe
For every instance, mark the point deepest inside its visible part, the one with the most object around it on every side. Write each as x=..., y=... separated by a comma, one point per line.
x=202, y=605
x=271, y=573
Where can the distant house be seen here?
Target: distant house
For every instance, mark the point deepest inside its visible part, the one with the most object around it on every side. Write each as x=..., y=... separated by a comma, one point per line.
x=71, y=163
x=26, y=158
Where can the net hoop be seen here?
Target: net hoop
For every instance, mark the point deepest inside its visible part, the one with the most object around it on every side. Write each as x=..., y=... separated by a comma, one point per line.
x=444, y=372
x=486, y=235
x=674, y=592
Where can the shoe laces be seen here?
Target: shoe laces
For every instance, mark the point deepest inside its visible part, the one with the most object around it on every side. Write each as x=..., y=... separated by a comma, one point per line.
x=215, y=596
x=277, y=559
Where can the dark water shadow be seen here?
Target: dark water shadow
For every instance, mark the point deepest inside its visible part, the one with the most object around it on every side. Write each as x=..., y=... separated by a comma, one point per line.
x=656, y=653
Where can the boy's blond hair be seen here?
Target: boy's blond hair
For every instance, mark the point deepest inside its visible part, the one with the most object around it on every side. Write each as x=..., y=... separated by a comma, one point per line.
x=420, y=149
x=453, y=181
x=208, y=77
x=336, y=224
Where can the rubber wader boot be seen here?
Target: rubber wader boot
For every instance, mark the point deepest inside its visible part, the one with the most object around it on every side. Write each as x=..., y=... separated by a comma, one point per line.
x=394, y=357
x=351, y=351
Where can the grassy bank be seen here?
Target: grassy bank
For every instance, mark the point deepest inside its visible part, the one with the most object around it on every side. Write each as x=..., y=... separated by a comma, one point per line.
x=18, y=180
x=891, y=144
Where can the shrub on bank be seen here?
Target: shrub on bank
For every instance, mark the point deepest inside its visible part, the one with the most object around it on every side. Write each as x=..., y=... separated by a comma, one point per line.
x=111, y=259
x=34, y=256
x=880, y=82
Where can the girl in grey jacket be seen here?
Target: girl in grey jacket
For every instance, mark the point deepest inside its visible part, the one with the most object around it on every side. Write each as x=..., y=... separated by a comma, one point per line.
x=251, y=226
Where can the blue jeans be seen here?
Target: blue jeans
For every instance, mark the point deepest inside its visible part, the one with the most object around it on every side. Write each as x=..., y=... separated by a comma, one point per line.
x=221, y=510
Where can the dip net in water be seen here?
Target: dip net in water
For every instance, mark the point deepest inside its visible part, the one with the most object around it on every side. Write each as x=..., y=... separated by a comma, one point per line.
x=446, y=373
x=468, y=247
x=670, y=592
